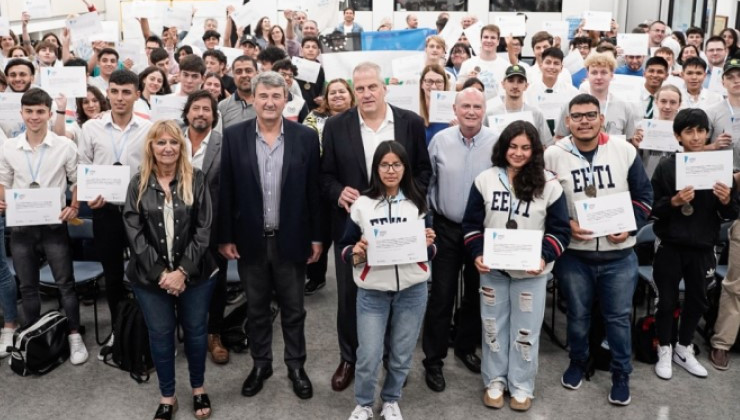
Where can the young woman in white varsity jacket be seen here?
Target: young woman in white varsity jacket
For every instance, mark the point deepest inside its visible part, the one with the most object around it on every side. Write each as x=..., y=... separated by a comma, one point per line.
x=687, y=222
x=398, y=292
x=516, y=193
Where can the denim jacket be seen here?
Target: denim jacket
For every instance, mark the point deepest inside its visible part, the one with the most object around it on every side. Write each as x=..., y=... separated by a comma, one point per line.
x=145, y=229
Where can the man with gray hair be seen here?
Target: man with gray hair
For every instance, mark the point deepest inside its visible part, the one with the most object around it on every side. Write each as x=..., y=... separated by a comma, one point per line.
x=349, y=142
x=269, y=201
x=458, y=154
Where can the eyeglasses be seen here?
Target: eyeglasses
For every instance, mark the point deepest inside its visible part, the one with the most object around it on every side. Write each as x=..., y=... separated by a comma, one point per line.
x=385, y=167
x=430, y=82
x=590, y=116
x=286, y=75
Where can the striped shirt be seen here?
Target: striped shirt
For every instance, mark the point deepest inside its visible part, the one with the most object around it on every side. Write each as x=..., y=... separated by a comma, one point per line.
x=270, y=162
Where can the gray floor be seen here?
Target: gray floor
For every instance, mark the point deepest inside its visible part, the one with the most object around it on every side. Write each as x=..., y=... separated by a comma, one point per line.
x=94, y=390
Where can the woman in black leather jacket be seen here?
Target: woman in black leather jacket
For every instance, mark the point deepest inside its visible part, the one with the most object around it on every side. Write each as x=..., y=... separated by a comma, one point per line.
x=168, y=220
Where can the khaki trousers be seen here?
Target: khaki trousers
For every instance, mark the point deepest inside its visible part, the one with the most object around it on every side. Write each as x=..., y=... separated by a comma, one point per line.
x=728, y=319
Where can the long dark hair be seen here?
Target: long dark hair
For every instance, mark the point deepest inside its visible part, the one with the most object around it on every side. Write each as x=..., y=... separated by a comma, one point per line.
x=104, y=105
x=407, y=186
x=530, y=182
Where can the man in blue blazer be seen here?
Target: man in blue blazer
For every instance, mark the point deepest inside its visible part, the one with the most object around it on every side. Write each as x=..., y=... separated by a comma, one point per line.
x=269, y=206
x=349, y=141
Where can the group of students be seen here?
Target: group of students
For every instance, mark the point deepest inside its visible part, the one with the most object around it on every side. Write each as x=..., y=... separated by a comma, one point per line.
x=185, y=214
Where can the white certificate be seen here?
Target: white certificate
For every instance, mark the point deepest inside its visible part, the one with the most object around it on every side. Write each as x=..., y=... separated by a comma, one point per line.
x=440, y=106
x=38, y=8
x=557, y=28
x=85, y=25
x=167, y=107
x=308, y=70
x=403, y=96
x=607, y=214
x=702, y=170
x=512, y=249
x=109, y=181
x=4, y=26
x=658, y=135
x=500, y=121
x=69, y=81
x=627, y=87
x=451, y=33
x=231, y=54
x=633, y=44
x=597, y=21
x=133, y=49
x=110, y=32
x=246, y=14
x=396, y=243
x=573, y=62
x=513, y=25
x=182, y=19
x=10, y=107
x=551, y=104
x=33, y=206
x=473, y=32
x=146, y=9
x=408, y=67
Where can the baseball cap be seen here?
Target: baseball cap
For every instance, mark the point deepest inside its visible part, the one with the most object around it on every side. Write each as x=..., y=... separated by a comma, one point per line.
x=731, y=64
x=248, y=39
x=515, y=70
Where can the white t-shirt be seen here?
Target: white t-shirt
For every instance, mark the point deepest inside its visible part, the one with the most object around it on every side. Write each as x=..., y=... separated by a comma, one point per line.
x=491, y=73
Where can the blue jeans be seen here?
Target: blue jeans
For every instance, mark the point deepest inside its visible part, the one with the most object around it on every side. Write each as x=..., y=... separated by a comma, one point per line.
x=613, y=283
x=373, y=309
x=158, y=309
x=8, y=290
x=511, y=312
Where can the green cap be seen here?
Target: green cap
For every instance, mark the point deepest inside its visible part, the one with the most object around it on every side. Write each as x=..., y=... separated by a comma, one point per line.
x=515, y=70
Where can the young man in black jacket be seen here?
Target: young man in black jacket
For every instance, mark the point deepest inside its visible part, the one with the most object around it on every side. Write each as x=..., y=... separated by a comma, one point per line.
x=688, y=224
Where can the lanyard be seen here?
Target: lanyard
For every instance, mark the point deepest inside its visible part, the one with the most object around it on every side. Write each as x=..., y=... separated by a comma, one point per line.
x=503, y=176
x=732, y=111
x=35, y=174
x=575, y=152
x=124, y=140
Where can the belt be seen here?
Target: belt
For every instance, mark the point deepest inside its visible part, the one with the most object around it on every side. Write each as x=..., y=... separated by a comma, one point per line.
x=270, y=233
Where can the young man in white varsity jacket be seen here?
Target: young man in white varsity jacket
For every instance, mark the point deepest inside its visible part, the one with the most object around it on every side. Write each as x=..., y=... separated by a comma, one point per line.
x=590, y=164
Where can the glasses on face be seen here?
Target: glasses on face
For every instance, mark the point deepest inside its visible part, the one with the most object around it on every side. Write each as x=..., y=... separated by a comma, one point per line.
x=286, y=76
x=386, y=167
x=430, y=82
x=590, y=116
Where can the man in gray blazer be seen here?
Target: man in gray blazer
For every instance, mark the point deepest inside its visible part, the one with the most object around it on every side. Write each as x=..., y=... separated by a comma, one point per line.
x=200, y=116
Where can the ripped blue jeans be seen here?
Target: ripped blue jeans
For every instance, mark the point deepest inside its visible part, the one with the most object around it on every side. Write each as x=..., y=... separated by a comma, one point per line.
x=511, y=313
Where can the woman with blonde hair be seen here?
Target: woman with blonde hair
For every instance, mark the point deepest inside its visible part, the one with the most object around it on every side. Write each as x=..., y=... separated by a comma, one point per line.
x=167, y=216
x=433, y=78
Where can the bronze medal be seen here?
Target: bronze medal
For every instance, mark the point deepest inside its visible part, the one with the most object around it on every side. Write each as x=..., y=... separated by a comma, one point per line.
x=591, y=190
x=117, y=164
x=307, y=86
x=687, y=209
x=35, y=185
x=511, y=224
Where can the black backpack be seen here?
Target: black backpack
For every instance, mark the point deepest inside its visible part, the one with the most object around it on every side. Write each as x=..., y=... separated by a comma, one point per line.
x=130, y=350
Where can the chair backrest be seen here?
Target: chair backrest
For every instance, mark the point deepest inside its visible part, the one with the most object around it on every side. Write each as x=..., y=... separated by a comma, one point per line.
x=81, y=231
x=724, y=232
x=645, y=235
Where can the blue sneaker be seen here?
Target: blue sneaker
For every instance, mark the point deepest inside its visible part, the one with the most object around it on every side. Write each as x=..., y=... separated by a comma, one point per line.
x=573, y=376
x=620, y=393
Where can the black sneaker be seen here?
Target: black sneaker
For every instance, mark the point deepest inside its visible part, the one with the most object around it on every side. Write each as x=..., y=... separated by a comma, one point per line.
x=313, y=286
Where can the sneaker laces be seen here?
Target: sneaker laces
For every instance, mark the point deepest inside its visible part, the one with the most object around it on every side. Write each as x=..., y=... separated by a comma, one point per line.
x=392, y=409
x=620, y=378
x=358, y=412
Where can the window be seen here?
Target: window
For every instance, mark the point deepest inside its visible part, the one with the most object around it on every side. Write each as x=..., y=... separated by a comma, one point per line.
x=357, y=5
x=431, y=5
x=526, y=5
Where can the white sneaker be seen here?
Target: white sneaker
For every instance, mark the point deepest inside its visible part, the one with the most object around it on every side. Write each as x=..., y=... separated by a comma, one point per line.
x=391, y=411
x=361, y=413
x=663, y=368
x=77, y=350
x=6, y=340
x=494, y=395
x=684, y=357
x=107, y=348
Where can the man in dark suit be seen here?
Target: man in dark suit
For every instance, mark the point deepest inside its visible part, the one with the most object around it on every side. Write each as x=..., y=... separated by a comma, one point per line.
x=349, y=142
x=200, y=116
x=270, y=222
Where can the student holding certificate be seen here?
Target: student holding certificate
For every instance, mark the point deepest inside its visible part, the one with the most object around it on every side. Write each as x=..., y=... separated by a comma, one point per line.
x=590, y=164
x=687, y=223
x=398, y=292
x=37, y=159
x=668, y=101
x=516, y=193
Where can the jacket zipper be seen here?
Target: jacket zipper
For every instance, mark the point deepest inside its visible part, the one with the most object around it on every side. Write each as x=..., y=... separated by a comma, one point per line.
x=390, y=220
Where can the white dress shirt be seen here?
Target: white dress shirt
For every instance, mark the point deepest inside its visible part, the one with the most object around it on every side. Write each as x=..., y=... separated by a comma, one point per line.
x=50, y=164
x=105, y=143
x=372, y=138
x=200, y=154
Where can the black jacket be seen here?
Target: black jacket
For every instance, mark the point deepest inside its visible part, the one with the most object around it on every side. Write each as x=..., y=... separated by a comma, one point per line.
x=145, y=229
x=701, y=229
x=343, y=162
x=241, y=219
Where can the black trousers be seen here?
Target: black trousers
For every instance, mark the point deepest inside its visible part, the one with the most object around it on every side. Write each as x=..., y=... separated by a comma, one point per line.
x=110, y=242
x=451, y=257
x=696, y=267
x=317, y=270
x=286, y=280
x=346, y=308
x=218, y=299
